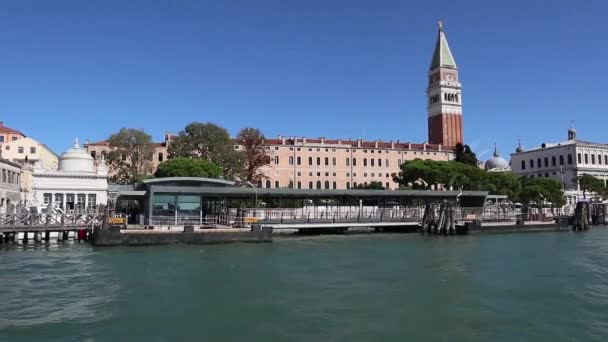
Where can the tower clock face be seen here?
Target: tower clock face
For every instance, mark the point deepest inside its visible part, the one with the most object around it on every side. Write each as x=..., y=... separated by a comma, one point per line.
x=449, y=77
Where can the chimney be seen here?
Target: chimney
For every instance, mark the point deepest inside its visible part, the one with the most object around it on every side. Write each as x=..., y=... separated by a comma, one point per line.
x=303, y=140
x=376, y=144
x=322, y=140
x=339, y=141
x=359, y=141
x=392, y=144
x=282, y=140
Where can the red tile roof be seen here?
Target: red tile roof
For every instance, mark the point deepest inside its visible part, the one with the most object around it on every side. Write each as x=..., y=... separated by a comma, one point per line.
x=4, y=129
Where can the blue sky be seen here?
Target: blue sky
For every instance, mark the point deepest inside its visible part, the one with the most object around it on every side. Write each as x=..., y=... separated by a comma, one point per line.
x=343, y=69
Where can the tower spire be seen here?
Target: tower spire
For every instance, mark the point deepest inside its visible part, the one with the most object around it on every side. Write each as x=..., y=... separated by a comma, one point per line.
x=443, y=55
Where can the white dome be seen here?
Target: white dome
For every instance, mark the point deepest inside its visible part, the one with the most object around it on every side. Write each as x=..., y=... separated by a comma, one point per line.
x=496, y=162
x=76, y=159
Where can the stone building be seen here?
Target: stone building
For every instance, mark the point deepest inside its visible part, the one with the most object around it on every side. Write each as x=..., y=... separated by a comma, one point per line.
x=29, y=151
x=10, y=189
x=564, y=161
x=77, y=184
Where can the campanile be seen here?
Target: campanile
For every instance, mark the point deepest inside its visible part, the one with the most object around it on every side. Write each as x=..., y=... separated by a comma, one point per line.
x=444, y=95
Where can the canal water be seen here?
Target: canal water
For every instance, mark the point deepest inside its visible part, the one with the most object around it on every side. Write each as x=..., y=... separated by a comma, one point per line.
x=511, y=287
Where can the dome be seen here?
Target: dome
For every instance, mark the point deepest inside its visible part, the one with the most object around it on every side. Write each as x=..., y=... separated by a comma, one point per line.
x=496, y=162
x=76, y=159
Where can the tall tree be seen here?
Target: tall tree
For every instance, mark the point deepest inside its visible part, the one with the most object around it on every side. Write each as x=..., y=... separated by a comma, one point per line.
x=255, y=157
x=465, y=155
x=542, y=189
x=373, y=185
x=188, y=167
x=130, y=157
x=210, y=142
x=588, y=183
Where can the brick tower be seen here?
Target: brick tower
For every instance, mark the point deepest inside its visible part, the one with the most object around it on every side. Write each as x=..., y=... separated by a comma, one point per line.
x=444, y=96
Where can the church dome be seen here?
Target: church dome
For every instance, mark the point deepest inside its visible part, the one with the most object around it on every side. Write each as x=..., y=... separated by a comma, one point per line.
x=496, y=162
x=76, y=159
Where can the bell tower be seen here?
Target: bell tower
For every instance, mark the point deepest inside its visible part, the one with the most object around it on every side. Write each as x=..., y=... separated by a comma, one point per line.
x=444, y=95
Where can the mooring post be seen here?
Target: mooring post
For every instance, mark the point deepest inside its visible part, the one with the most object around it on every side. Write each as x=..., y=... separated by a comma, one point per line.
x=47, y=236
x=25, y=237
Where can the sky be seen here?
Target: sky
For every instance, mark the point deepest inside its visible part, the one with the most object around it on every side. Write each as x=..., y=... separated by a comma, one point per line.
x=312, y=68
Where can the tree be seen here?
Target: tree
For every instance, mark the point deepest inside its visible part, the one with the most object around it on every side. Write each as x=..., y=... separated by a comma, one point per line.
x=503, y=183
x=210, y=142
x=373, y=185
x=542, y=189
x=130, y=157
x=255, y=157
x=425, y=174
x=188, y=167
x=465, y=155
x=591, y=184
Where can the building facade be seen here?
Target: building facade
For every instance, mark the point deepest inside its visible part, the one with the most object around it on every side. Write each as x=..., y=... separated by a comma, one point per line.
x=78, y=184
x=29, y=151
x=9, y=134
x=564, y=161
x=10, y=189
x=305, y=163
x=444, y=95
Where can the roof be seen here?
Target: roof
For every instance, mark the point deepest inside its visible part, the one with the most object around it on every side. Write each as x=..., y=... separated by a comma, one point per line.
x=319, y=193
x=442, y=57
x=545, y=146
x=371, y=144
x=186, y=179
x=7, y=130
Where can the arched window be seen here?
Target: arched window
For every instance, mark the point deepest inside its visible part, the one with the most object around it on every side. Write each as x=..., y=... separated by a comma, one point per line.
x=523, y=164
x=456, y=97
x=538, y=162
x=561, y=160
x=531, y=163
x=553, y=161
x=569, y=159
x=546, y=162
x=268, y=183
x=326, y=184
x=387, y=186
x=318, y=184
x=310, y=185
x=335, y=185
x=348, y=185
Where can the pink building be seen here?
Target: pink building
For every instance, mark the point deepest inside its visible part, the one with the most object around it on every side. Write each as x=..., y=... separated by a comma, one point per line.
x=340, y=164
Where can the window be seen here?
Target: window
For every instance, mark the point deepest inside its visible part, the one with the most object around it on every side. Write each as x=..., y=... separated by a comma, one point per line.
x=379, y=162
x=569, y=159
x=531, y=163
x=599, y=159
x=386, y=164
x=59, y=201
x=539, y=163
x=318, y=174
x=268, y=183
x=310, y=174
x=7, y=147
x=364, y=174
x=333, y=161
x=309, y=160
x=523, y=164
x=606, y=159
x=69, y=201
x=276, y=148
x=46, y=197
x=160, y=156
x=387, y=186
x=586, y=158
x=20, y=149
x=354, y=161
x=123, y=157
x=318, y=160
x=299, y=160
x=1, y=138
x=14, y=139
x=593, y=159
x=373, y=174
x=399, y=162
x=364, y=161
x=32, y=149
x=347, y=185
x=318, y=184
x=561, y=160
x=276, y=160
x=326, y=184
x=299, y=185
x=371, y=160
x=276, y=184
x=91, y=201
x=546, y=175
x=310, y=185
x=347, y=161
x=354, y=184
x=553, y=161
x=94, y=154
x=348, y=174
x=546, y=162
x=326, y=161
x=334, y=185
x=326, y=174
x=578, y=157
x=290, y=160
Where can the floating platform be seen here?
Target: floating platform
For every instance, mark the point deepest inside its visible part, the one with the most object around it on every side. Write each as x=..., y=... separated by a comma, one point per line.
x=114, y=236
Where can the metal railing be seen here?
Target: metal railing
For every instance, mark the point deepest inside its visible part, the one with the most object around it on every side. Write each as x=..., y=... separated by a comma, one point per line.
x=29, y=220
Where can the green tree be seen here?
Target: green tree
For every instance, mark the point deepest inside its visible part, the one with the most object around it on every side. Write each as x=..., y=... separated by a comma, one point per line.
x=591, y=184
x=465, y=155
x=130, y=157
x=210, y=142
x=425, y=174
x=188, y=167
x=373, y=185
x=255, y=156
x=503, y=183
x=542, y=189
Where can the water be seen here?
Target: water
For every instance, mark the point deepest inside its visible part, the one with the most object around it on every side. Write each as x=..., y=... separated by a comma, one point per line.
x=516, y=287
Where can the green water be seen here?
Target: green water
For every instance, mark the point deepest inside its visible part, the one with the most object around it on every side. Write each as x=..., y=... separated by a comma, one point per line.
x=513, y=287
